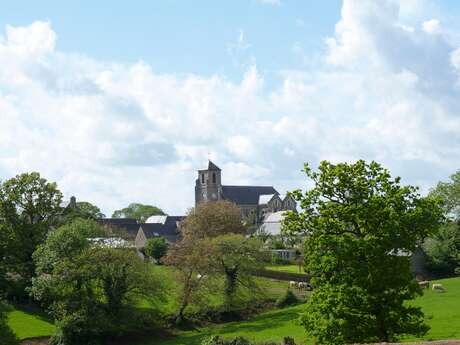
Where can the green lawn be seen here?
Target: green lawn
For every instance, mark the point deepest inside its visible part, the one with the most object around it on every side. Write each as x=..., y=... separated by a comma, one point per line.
x=442, y=311
x=29, y=322
x=285, y=268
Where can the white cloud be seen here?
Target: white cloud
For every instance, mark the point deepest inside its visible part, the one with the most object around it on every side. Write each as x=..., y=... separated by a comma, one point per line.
x=432, y=26
x=116, y=133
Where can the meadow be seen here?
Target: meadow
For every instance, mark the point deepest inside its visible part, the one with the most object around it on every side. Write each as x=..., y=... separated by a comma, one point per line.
x=441, y=309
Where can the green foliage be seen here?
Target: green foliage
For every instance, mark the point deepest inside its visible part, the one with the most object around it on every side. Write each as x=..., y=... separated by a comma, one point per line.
x=449, y=192
x=7, y=337
x=29, y=206
x=156, y=248
x=92, y=291
x=65, y=242
x=138, y=211
x=443, y=250
x=289, y=298
x=360, y=222
x=81, y=209
x=234, y=257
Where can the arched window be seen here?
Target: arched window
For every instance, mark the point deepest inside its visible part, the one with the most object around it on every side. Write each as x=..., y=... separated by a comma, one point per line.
x=213, y=177
x=202, y=178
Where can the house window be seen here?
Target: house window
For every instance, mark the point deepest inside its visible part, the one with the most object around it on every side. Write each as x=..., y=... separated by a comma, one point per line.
x=202, y=178
x=213, y=177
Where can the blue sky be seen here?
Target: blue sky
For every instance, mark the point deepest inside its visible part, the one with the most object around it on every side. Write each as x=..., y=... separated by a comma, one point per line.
x=184, y=36
x=122, y=102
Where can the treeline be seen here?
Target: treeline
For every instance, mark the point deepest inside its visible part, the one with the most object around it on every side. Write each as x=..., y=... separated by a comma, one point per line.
x=93, y=290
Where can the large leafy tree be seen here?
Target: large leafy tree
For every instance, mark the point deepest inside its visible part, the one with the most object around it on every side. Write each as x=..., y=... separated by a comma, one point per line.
x=443, y=249
x=29, y=208
x=138, y=211
x=235, y=257
x=449, y=192
x=360, y=225
x=195, y=255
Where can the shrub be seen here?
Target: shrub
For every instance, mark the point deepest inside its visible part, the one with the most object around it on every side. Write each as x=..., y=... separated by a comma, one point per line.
x=216, y=340
x=7, y=337
x=289, y=298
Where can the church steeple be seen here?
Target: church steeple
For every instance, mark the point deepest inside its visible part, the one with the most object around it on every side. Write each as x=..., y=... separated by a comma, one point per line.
x=208, y=186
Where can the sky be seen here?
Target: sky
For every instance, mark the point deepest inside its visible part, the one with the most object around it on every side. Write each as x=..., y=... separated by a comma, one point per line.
x=122, y=102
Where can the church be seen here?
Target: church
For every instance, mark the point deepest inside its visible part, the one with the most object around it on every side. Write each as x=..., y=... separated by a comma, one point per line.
x=256, y=202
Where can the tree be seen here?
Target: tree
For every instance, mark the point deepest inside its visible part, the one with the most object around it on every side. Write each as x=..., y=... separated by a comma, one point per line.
x=191, y=255
x=138, y=211
x=81, y=209
x=449, y=192
x=212, y=219
x=29, y=207
x=235, y=257
x=156, y=248
x=443, y=248
x=360, y=224
x=92, y=291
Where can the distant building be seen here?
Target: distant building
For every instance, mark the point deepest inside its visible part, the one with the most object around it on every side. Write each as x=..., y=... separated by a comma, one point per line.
x=128, y=225
x=256, y=202
x=159, y=226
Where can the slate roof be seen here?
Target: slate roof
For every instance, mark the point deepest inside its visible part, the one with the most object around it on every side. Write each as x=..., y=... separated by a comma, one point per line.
x=130, y=225
x=212, y=166
x=246, y=195
x=168, y=230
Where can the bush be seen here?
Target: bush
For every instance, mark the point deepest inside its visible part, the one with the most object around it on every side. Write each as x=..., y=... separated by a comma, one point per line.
x=7, y=337
x=216, y=340
x=289, y=298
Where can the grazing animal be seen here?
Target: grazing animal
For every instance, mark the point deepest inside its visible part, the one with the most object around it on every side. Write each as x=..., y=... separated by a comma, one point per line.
x=292, y=283
x=424, y=284
x=302, y=285
x=439, y=287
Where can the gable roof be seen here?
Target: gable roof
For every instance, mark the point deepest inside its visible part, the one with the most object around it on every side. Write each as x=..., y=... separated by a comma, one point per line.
x=246, y=195
x=169, y=229
x=130, y=225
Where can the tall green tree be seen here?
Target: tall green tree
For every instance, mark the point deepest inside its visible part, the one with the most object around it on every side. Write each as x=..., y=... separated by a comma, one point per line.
x=443, y=248
x=449, y=192
x=156, y=248
x=360, y=225
x=29, y=208
x=91, y=292
x=138, y=211
x=234, y=257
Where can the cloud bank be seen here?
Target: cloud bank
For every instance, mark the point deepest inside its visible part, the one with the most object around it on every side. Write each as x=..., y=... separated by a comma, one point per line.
x=114, y=133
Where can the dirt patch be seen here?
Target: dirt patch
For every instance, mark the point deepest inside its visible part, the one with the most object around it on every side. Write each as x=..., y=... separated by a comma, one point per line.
x=36, y=341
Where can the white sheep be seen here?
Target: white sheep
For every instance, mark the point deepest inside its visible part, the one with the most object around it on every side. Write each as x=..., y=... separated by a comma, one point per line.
x=438, y=286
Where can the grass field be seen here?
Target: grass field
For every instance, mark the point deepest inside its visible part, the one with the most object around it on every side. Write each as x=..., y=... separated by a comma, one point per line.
x=442, y=311
x=285, y=268
x=29, y=322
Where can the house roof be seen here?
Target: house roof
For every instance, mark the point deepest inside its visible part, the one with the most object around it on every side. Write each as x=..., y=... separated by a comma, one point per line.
x=265, y=198
x=130, y=225
x=169, y=229
x=156, y=219
x=212, y=166
x=246, y=195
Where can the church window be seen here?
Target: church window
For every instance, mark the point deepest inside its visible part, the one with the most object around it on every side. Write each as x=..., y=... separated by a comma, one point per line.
x=202, y=178
x=213, y=177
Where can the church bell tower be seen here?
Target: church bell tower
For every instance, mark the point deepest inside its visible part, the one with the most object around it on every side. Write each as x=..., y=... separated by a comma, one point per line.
x=208, y=185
